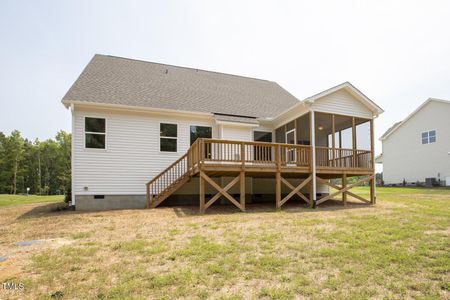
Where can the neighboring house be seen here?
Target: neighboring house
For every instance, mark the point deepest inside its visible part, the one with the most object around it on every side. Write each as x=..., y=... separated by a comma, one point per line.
x=136, y=124
x=418, y=147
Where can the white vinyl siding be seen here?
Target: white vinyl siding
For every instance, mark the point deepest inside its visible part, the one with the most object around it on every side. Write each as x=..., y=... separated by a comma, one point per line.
x=132, y=156
x=239, y=133
x=343, y=103
x=404, y=155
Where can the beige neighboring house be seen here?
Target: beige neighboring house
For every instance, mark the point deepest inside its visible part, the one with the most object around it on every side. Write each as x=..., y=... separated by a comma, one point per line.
x=417, y=149
x=145, y=133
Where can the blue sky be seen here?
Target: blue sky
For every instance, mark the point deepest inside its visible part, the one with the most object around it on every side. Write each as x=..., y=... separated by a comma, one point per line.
x=396, y=52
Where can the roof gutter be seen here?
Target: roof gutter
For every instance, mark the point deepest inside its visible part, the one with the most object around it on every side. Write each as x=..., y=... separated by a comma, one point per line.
x=68, y=103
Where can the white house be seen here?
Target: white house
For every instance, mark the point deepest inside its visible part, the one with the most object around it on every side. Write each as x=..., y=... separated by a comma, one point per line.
x=136, y=124
x=418, y=147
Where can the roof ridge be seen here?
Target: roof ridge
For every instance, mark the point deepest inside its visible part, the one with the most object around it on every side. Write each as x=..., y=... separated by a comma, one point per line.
x=182, y=67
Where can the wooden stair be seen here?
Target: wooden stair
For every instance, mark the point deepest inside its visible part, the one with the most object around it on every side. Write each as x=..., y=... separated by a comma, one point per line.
x=173, y=177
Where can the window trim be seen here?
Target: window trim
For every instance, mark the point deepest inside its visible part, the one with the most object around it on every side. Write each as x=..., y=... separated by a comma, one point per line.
x=196, y=125
x=265, y=131
x=428, y=137
x=99, y=133
x=167, y=137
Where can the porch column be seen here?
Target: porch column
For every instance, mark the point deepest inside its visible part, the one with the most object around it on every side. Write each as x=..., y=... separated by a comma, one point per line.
x=373, y=197
x=313, y=160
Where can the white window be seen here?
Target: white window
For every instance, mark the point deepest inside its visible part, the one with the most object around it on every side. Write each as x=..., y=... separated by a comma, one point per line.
x=429, y=137
x=168, y=137
x=95, y=133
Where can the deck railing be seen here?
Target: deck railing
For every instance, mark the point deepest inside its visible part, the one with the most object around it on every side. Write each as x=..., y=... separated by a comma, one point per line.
x=254, y=153
x=343, y=158
x=257, y=154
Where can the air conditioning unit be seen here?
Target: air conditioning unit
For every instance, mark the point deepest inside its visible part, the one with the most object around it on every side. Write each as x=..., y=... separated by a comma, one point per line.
x=430, y=182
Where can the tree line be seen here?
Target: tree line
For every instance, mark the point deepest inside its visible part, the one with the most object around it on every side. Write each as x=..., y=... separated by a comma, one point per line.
x=42, y=166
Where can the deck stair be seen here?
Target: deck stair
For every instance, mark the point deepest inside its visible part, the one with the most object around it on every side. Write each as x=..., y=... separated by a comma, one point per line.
x=173, y=177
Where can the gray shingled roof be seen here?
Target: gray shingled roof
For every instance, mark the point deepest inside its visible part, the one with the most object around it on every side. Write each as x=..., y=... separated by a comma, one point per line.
x=115, y=80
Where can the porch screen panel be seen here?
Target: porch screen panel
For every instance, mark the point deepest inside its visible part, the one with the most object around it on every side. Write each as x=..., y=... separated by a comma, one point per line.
x=362, y=134
x=323, y=129
x=303, y=130
x=280, y=134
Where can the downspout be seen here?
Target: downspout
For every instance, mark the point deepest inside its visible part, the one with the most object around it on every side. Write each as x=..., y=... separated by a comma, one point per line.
x=72, y=155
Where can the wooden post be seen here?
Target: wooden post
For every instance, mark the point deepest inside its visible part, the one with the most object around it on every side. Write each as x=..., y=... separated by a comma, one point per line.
x=202, y=193
x=313, y=159
x=353, y=142
x=278, y=156
x=344, y=185
x=373, y=197
x=200, y=155
x=278, y=190
x=333, y=129
x=148, y=196
x=242, y=191
x=242, y=155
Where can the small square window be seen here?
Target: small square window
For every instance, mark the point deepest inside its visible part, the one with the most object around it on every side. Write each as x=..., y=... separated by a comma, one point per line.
x=200, y=132
x=168, y=145
x=94, y=125
x=429, y=137
x=95, y=141
x=168, y=130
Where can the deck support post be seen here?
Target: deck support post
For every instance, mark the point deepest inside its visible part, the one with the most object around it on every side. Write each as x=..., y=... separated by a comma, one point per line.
x=149, y=197
x=242, y=191
x=344, y=185
x=372, y=191
x=278, y=190
x=202, y=192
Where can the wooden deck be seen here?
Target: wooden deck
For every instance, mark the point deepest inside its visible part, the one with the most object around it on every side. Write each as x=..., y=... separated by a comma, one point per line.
x=208, y=158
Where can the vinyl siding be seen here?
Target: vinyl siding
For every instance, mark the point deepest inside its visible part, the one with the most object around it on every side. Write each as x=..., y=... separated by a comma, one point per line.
x=343, y=103
x=132, y=155
x=239, y=133
x=404, y=156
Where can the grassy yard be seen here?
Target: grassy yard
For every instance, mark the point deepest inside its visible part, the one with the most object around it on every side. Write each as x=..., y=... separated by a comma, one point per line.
x=9, y=200
x=397, y=249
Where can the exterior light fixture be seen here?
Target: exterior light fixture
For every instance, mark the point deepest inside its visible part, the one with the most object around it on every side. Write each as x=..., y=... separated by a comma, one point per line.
x=320, y=127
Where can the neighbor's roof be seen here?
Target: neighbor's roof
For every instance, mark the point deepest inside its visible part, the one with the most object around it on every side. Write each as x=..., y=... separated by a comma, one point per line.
x=128, y=82
x=390, y=130
x=399, y=124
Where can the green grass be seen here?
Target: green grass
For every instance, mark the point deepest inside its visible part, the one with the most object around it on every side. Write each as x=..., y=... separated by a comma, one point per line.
x=396, y=249
x=11, y=200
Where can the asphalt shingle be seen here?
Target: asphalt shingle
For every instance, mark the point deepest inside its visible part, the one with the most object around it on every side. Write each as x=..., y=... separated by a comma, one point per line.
x=122, y=81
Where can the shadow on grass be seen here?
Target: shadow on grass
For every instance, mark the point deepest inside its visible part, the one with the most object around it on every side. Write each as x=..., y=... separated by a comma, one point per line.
x=59, y=209
x=289, y=207
x=45, y=210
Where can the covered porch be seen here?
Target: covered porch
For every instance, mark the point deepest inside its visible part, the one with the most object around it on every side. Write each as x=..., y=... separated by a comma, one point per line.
x=315, y=148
